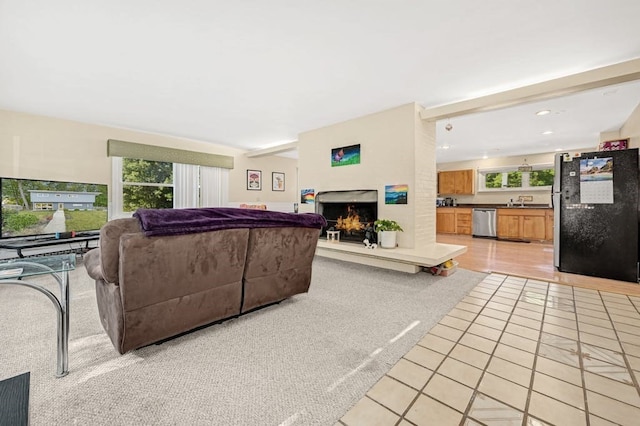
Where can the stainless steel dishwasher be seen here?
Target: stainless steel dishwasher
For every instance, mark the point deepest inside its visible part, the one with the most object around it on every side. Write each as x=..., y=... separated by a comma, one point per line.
x=484, y=223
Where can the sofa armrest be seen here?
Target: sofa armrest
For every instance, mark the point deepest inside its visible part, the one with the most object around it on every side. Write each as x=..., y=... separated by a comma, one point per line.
x=93, y=265
x=110, y=235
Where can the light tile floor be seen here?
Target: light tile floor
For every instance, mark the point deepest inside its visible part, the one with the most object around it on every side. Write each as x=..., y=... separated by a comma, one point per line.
x=517, y=351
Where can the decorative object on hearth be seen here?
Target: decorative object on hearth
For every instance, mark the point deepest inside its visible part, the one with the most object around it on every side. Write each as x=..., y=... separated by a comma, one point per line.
x=368, y=245
x=333, y=236
x=387, y=230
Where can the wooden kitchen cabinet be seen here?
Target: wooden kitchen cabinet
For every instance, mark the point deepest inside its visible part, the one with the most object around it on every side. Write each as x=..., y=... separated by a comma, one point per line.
x=445, y=220
x=452, y=182
x=463, y=221
x=453, y=220
x=533, y=228
x=508, y=226
x=549, y=224
x=526, y=224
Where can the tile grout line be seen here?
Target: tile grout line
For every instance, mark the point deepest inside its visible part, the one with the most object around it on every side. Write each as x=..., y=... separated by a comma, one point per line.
x=535, y=357
x=622, y=351
x=421, y=390
x=484, y=370
x=581, y=360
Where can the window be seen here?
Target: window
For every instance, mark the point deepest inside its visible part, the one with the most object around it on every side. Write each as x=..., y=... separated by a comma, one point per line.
x=146, y=184
x=138, y=183
x=541, y=177
x=509, y=178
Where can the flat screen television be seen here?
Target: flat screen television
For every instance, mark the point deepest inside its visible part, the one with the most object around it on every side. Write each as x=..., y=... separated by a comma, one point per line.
x=33, y=208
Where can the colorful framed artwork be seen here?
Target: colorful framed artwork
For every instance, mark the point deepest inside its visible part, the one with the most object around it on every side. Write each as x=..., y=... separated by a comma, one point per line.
x=277, y=181
x=396, y=194
x=254, y=180
x=614, y=145
x=345, y=156
x=307, y=196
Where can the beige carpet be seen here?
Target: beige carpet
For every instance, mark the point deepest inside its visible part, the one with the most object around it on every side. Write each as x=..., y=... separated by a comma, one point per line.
x=305, y=361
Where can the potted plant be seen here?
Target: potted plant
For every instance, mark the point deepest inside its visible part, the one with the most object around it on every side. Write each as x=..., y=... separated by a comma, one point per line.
x=387, y=230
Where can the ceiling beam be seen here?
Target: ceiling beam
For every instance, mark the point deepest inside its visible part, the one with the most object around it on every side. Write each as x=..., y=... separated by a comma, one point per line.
x=273, y=150
x=599, y=77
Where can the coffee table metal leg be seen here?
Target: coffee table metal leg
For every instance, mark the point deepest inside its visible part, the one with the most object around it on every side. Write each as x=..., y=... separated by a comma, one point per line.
x=63, y=332
x=62, y=313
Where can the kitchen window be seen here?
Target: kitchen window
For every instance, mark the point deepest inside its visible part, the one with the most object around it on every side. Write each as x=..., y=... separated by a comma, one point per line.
x=511, y=179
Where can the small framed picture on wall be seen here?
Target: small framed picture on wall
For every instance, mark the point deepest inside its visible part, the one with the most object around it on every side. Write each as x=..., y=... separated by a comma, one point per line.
x=254, y=180
x=277, y=181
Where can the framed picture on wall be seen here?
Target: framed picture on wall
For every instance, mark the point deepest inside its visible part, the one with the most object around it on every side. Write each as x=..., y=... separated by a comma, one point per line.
x=345, y=156
x=395, y=194
x=254, y=180
x=277, y=181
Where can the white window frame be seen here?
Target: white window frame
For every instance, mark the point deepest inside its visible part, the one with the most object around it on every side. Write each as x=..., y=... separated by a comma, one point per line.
x=507, y=169
x=193, y=186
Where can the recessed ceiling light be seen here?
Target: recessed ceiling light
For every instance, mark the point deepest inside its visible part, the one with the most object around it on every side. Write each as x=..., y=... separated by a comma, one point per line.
x=445, y=146
x=484, y=157
x=547, y=132
x=543, y=112
x=558, y=149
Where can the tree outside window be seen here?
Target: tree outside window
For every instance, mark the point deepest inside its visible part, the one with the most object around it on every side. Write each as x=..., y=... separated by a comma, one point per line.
x=146, y=184
x=510, y=177
x=514, y=179
x=541, y=177
x=493, y=180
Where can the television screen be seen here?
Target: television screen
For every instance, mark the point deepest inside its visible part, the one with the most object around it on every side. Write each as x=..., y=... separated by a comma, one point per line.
x=40, y=207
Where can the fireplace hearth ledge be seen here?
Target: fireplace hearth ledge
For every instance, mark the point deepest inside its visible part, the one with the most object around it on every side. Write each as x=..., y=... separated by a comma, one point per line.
x=398, y=259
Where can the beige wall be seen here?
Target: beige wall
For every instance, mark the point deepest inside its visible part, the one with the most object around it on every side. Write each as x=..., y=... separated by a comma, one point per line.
x=631, y=129
x=268, y=165
x=38, y=147
x=395, y=149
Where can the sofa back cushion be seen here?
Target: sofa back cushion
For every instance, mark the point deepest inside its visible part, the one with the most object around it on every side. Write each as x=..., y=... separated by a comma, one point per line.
x=161, y=268
x=110, y=234
x=278, y=264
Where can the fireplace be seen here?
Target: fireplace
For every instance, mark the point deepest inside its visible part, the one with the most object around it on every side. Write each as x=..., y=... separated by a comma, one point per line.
x=350, y=212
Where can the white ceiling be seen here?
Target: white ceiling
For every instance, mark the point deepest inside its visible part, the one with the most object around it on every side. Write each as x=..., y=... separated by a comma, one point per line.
x=254, y=74
x=575, y=120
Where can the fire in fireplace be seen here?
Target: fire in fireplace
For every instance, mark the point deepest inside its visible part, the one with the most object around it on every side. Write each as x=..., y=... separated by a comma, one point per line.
x=350, y=212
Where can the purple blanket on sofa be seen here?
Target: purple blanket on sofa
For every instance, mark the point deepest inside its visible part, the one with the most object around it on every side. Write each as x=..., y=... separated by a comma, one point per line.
x=186, y=221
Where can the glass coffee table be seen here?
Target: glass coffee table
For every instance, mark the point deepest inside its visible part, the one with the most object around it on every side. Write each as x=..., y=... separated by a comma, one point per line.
x=18, y=272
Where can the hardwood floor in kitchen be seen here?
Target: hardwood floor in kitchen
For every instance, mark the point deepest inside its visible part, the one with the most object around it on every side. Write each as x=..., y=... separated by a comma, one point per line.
x=532, y=260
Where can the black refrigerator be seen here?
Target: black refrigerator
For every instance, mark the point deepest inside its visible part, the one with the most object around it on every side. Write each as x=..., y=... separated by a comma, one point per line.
x=596, y=212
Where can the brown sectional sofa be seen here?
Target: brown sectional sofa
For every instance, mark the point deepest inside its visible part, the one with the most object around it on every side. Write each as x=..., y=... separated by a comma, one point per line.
x=150, y=288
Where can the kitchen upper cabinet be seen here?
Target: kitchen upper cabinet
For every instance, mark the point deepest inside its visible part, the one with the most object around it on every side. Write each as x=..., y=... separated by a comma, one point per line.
x=525, y=224
x=458, y=182
x=446, y=182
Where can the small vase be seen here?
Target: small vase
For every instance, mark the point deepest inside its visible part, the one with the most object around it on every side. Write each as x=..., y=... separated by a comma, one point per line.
x=387, y=239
